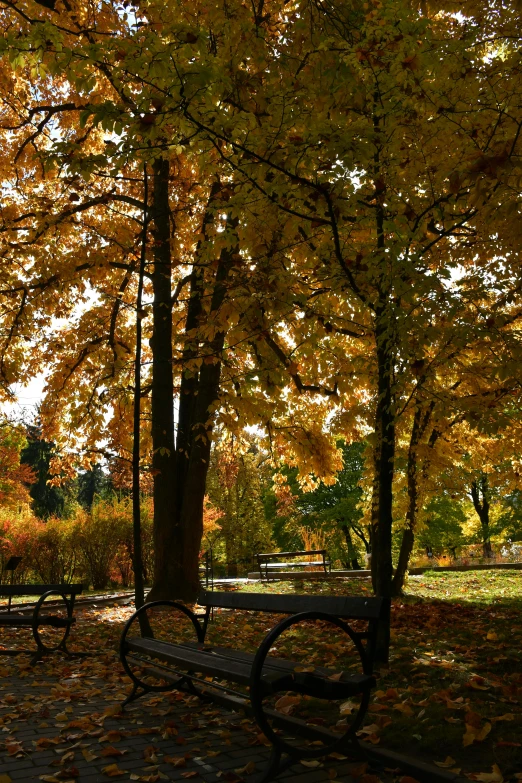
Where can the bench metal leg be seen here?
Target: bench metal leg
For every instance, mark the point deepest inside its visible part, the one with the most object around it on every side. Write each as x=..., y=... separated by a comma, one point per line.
x=136, y=692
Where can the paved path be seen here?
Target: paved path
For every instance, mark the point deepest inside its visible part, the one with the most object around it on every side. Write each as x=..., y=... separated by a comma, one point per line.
x=60, y=721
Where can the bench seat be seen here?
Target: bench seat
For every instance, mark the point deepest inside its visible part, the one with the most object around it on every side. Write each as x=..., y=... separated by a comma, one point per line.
x=236, y=665
x=21, y=621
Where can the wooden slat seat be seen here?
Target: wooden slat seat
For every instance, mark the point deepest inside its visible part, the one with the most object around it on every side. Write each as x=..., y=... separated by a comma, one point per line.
x=236, y=665
x=21, y=621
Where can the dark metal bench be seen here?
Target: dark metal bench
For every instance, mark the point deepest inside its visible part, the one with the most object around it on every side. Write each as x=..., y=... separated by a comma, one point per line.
x=269, y=562
x=32, y=617
x=214, y=672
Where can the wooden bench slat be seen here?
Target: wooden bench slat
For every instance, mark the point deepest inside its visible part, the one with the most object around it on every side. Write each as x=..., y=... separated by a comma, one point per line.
x=7, y=590
x=236, y=665
x=339, y=606
x=355, y=682
x=192, y=660
x=16, y=620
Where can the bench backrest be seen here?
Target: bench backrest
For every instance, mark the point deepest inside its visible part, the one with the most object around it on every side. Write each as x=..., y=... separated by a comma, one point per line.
x=11, y=590
x=286, y=555
x=339, y=606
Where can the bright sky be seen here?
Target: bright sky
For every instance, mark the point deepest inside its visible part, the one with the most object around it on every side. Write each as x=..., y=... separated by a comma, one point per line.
x=27, y=399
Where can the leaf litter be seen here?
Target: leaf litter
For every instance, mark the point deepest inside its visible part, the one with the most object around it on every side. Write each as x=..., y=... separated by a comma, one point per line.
x=454, y=682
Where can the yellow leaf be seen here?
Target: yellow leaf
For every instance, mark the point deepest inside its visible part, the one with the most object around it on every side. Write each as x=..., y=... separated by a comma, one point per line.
x=475, y=734
x=113, y=771
x=448, y=763
x=483, y=733
x=491, y=636
x=247, y=769
x=495, y=776
x=4, y=778
x=404, y=708
x=286, y=703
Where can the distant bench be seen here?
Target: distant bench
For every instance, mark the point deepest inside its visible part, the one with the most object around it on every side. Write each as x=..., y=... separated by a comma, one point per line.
x=269, y=562
x=16, y=619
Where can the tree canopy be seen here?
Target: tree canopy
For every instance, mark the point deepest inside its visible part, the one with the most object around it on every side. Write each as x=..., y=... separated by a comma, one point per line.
x=324, y=198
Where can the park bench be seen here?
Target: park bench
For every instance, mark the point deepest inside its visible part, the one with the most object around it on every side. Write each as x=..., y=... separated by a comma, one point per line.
x=34, y=618
x=216, y=673
x=269, y=562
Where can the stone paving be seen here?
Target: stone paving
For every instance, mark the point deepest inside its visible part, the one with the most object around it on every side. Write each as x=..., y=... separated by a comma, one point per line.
x=60, y=722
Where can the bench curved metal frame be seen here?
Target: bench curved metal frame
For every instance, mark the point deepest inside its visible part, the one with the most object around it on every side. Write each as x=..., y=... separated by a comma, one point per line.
x=256, y=688
x=54, y=622
x=140, y=684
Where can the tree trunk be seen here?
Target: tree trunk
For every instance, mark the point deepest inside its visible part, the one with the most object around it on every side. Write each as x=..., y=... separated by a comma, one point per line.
x=384, y=454
x=408, y=536
x=168, y=554
x=382, y=501
x=191, y=519
x=137, y=555
x=177, y=538
x=352, y=552
x=478, y=488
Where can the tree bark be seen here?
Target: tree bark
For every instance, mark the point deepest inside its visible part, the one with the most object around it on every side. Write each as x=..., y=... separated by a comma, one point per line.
x=408, y=536
x=177, y=536
x=191, y=518
x=478, y=488
x=167, y=553
x=352, y=552
x=384, y=455
x=137, y=555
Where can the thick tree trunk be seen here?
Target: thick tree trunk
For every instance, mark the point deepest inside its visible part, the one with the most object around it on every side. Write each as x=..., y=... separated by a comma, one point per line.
x=408, y=536
x=382, y=501
x=478, y=488
x=384, y=455
x=177, y=562
x=191, y=519
x=168, y=554
x=137, y=554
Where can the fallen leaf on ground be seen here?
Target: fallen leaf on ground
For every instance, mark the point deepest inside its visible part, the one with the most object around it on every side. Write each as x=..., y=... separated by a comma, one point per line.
x=247, y=769
x=113, y=771
x=449, y=762
x=473, y=734
x=495, y=776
